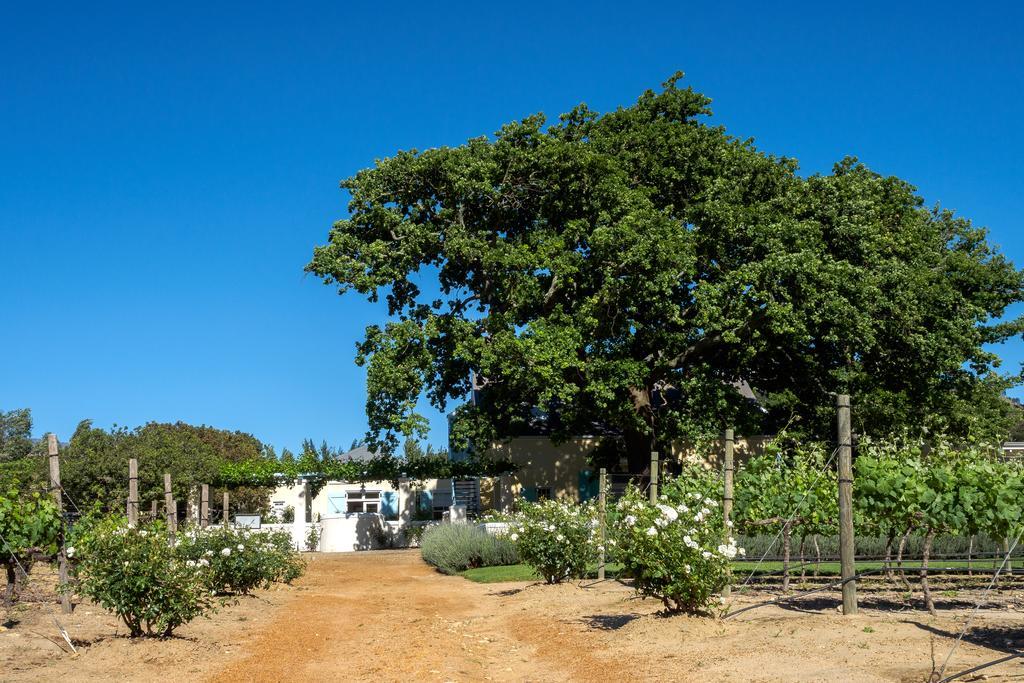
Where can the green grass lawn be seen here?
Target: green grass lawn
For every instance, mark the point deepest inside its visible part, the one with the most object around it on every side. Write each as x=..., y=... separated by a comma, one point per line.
x=521, y=572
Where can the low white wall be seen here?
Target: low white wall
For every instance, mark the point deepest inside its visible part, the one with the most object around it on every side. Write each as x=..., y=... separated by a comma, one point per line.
x=357, y=531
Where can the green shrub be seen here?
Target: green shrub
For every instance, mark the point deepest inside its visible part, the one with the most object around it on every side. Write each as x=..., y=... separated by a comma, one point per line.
x=313, y=539
x=140, y=577
x=674, y=550
x=453, y=548
x=29, y=524
x=558, y=539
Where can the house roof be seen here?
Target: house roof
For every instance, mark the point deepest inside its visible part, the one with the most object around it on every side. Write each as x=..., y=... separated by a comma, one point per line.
x=358, y=454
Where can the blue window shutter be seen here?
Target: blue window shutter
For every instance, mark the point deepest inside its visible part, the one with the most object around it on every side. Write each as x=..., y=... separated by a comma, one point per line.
x=426, y=501
x=389, y=504
x=588, y=485
x=530, y=493
x=337, y=503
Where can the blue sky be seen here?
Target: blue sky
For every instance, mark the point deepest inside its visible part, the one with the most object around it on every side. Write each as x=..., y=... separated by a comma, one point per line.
x=167, y=169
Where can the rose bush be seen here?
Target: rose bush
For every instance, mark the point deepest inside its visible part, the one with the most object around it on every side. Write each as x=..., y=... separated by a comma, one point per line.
x=558, y=539
x=676, y=550
x=140, y=577
x=240, y=560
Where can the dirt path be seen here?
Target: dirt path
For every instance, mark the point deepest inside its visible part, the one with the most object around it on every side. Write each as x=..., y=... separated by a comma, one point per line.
x=386, y=616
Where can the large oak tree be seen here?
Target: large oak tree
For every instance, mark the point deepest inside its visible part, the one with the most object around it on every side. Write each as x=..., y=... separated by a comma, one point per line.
x=624, y=273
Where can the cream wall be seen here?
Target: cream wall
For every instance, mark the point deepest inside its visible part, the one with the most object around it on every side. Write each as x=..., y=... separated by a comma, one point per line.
x=544, y=464
x=541, y=464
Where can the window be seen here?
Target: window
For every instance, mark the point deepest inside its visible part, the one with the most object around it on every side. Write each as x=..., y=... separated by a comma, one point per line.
x=543, y=493
x=363, y=501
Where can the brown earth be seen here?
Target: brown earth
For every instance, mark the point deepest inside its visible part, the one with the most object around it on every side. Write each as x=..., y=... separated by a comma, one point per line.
x=385, y=616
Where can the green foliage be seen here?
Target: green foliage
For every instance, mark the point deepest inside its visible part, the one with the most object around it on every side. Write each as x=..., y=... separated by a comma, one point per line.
x=15, y=434
x=94, y=466
x=557, y=539
x=676, y=551
x=313, y=539
x=961, y=490
x=317, y=472
x=30, y=472
x=28, y=524
x=239, y=560
x=140, y=577
x=622, y=271
x=453, y=548
x=788, y=481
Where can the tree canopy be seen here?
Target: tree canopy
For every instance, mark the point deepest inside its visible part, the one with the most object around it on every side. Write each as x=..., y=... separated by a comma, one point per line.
x=15, y=434
x=624, y=273
x=94, y=466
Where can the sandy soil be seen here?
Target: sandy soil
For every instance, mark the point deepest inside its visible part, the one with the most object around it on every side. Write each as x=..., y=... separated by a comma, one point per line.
x=385, y=616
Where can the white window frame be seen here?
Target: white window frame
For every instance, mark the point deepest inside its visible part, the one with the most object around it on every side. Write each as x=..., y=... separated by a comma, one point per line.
x=360, y=501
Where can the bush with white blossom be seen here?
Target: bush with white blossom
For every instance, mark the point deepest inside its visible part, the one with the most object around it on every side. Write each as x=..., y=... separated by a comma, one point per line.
x=676, y=550
x=558, y=539
x=140, y=577
x=240, y=560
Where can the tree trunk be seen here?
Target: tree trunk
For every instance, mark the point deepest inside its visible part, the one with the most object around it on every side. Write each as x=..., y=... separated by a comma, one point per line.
x=929, y=605
x=899, y=557
x=970, y=553
x=786, y=542
x=803, y=563
x=888, y=554
x=817, y=556
x=639, y=444
x=11, y=581
x=1009, y=560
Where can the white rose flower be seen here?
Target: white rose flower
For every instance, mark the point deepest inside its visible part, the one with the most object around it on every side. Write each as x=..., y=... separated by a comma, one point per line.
x=652, y=531
x=686, y=568
x=630, y=520
x=225, y=552
x=203, y=562
x=706, y=555
x=514, y=537
x=70, y=551
x=669, y=513
x=559, y=538
x=241, y=547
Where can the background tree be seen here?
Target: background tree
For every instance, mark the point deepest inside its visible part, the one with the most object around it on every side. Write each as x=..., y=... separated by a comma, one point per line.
x=623, y=273
x=15, y=434
x=411, y=450
x=94, y=466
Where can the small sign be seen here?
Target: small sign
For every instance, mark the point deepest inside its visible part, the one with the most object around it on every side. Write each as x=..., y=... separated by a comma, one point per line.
x=247, y=521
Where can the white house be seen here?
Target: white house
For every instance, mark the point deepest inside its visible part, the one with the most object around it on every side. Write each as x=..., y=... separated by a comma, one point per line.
x=365, y=515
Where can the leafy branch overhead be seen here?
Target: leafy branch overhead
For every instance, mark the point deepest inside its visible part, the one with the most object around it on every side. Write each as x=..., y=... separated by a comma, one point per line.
x=623, y=273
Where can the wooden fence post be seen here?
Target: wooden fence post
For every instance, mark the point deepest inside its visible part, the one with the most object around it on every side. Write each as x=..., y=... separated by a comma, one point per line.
x=227, y=516
x=204, y=506
x=846, y=533
x=154, y=510
x=57, y=492
x=727, y=499
x=602, y=505
x=654, y=477
x=169, y=508
x=133, y=492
